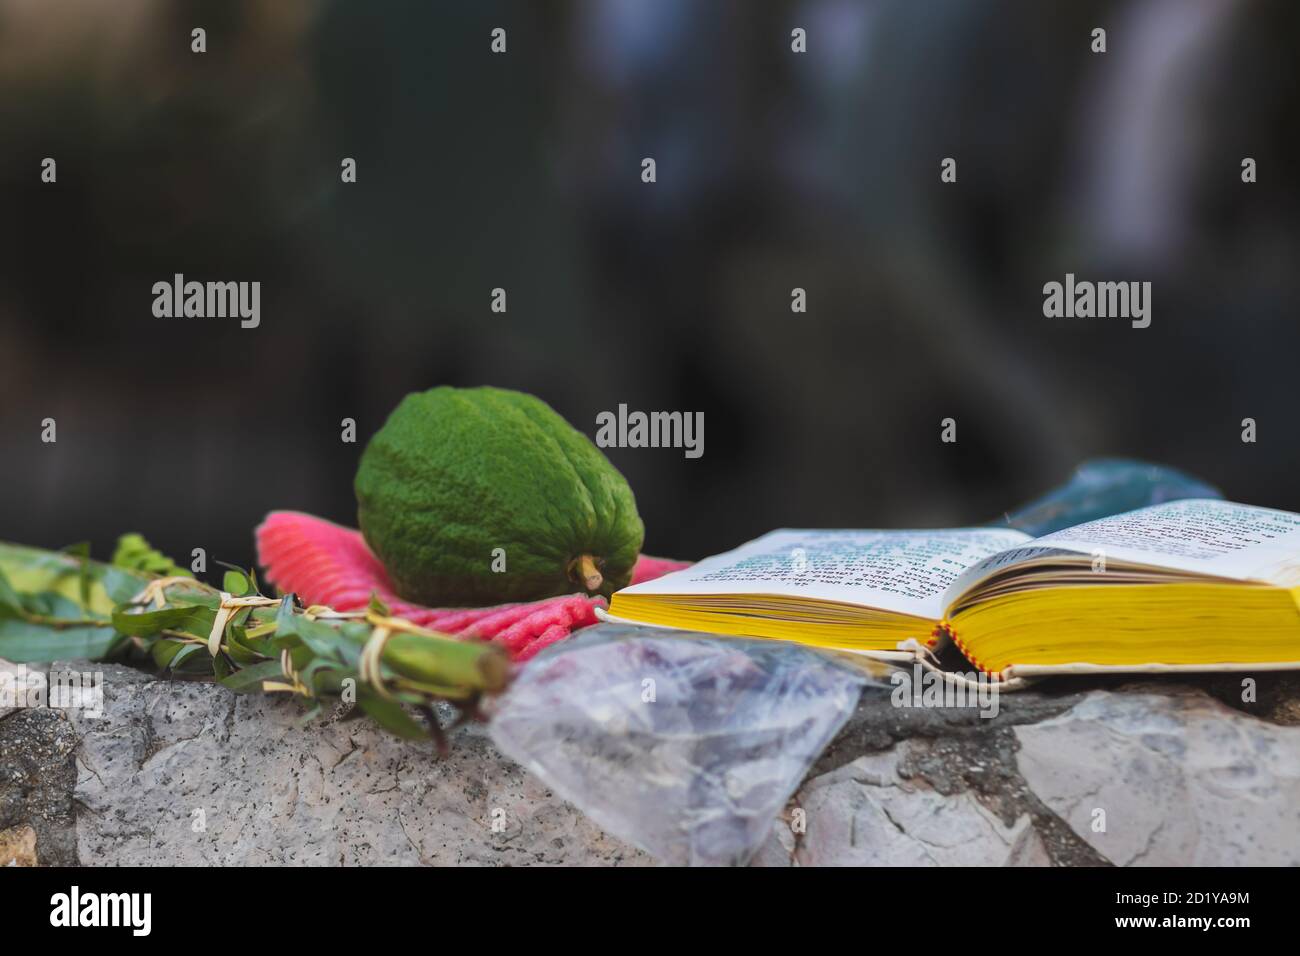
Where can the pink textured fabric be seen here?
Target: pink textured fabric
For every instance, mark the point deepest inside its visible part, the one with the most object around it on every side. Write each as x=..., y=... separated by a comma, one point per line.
x=648, y=568
x=326, y=563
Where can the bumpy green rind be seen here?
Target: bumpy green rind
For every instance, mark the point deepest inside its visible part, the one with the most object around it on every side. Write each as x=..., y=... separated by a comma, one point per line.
x=456, y=473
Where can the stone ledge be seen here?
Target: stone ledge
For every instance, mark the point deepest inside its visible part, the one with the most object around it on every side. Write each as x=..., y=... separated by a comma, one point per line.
x=183, y=772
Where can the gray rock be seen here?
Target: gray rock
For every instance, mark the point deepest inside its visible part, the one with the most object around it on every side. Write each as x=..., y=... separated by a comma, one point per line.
x=1182, y=778
x=180, y=772
x=37, y=778
x=17, y=681
x=186, y=772
x=868, y=813
x=927, y=787
x=1155, y=778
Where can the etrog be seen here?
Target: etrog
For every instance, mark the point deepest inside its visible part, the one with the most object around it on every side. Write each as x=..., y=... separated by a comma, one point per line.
x=482, y=495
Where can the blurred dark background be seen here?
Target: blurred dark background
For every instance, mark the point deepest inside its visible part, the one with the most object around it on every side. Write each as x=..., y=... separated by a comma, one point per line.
x=522, y=171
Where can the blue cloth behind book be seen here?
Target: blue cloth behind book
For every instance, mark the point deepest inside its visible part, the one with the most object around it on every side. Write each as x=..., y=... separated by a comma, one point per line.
x=1105, y=486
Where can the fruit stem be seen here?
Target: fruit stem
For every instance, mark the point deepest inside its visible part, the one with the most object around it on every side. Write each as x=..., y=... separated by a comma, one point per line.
x=587, y=573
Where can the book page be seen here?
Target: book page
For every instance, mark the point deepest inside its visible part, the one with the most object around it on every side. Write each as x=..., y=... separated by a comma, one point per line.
x=1203, y=536
x=905, y=572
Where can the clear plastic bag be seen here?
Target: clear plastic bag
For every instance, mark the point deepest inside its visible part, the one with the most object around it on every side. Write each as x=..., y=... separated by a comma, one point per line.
x=686, y=745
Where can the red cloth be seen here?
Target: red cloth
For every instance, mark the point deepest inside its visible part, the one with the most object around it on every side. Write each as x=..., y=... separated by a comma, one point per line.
x=325, y=563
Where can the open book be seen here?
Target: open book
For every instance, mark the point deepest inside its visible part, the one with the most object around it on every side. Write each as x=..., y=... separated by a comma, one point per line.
x=1188, y=585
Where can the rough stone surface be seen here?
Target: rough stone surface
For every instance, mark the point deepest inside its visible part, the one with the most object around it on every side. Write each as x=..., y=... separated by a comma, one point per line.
x=38, y=776
x=922, y=786
x=1183, y=777
x=18, y=680
x=180, y=772
x=18, y=847
x=869, y=812
x=1161, y=779
x=189, y=773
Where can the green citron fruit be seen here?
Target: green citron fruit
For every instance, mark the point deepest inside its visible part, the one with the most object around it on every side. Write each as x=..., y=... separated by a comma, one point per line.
x=473, y=496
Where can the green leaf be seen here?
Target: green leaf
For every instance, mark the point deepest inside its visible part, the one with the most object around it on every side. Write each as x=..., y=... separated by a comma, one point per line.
x=392, y=717
x=191, y=620
x=250, y=678
x=239, y=652
x=135, y=553
x=121, y=586
x=32, y=570
x=285, y=613
x=235, y=582
x=85, y=579
x=164, y=651
x=221, y=667
x=186, y=651
x=325, y=640
x=9, y=600
x=52, y=604
x=26, y=643
x=319, y=665
x=263, y=647
x=178, y=656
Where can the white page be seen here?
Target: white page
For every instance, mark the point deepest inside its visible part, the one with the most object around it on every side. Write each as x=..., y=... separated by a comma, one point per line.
x=1205, y=536
x=901, y=571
